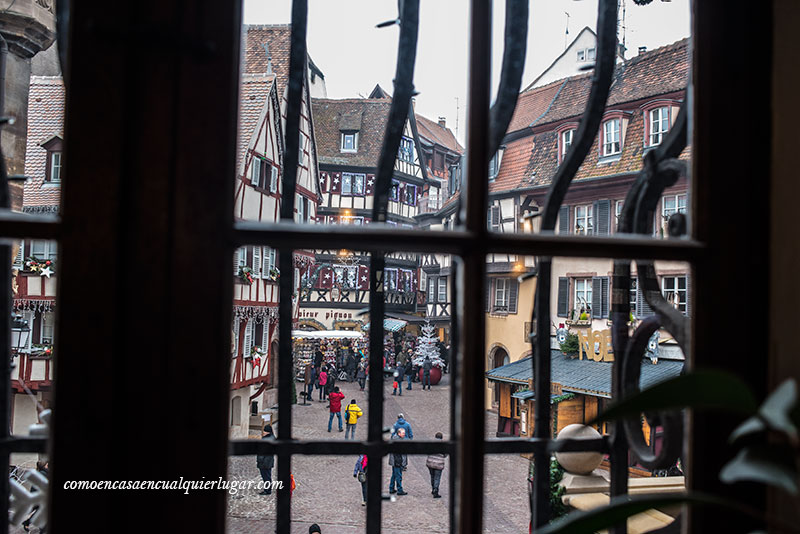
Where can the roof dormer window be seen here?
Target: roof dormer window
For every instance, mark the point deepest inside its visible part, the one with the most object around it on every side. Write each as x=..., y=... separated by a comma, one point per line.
x=55, y=167
x=494, y=165
x=349, y=142
x=52, y=173
x=612, y=142
x=659, y=125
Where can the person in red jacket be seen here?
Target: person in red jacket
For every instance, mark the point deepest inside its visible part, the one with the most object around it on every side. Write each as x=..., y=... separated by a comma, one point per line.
x=335, y=399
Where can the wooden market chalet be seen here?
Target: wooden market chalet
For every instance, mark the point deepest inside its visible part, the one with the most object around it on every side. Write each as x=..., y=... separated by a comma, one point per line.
x=349, y=139
x=258, y=197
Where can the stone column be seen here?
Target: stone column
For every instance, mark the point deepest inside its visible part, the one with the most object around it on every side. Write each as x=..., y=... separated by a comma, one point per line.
x=28, y=26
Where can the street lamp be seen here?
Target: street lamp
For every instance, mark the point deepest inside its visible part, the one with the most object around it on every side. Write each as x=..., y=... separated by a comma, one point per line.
x=19, y=333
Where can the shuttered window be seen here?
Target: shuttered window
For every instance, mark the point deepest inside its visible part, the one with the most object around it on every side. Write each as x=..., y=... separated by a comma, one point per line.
x=273, y=180
x=494, y=218
x=602, y=217
x=563, y=220
x=255, y=172
x=563, y=297
x=600, y=296
x=513, y=293
x=257, y=262
x=442, y=297
x=248, y=339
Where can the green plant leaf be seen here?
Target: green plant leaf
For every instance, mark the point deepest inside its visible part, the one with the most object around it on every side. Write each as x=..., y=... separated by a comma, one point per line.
x=778, y=407
x=770, y=465
x=698, y=390
x=776, y=413
x=621, y=508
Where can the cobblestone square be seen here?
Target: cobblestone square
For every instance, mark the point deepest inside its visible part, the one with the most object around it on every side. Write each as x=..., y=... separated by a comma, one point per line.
x=328, y=494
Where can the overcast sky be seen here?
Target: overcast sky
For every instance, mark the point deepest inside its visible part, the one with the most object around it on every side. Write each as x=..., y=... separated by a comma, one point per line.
x=354, y=55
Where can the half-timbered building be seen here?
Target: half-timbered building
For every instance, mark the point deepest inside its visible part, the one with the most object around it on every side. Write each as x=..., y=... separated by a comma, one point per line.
x=350, y=136
x=36, y=261
x=258, y=197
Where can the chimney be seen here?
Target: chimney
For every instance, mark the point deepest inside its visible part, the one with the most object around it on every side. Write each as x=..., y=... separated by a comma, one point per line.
x=443, y=122
x=642, y=49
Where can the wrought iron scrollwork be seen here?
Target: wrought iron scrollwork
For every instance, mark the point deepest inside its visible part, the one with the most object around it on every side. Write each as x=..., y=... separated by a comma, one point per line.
x=516, y=39
x=661, y=169
x=589, y=125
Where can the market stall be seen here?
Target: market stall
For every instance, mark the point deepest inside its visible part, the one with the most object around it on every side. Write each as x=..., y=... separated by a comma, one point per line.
x=332, y=343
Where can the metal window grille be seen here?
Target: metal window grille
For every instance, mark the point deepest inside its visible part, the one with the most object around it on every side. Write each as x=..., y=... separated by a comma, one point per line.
x=209, y=47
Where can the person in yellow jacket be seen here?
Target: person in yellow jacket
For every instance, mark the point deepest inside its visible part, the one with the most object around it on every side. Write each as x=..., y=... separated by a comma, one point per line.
x=352, y=412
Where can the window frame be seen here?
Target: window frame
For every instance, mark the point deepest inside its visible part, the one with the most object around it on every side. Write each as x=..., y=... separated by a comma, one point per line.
x=344, y=135
x=586, y=291
x=607, y=146
x=587, y=218
x=655, y=138
x=441, y=289
x=682, y=294
x=708, y=233
x=406, y=150
x=502, y=305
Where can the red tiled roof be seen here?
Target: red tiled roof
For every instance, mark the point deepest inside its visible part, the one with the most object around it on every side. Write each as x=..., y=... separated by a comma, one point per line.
x=533, y=160
x=328, y=115
x=277, y=37
x=440, y=135
x=45, y=120
x=657, y=72
x=253, y=96
x=532, y=104
x=513, y=165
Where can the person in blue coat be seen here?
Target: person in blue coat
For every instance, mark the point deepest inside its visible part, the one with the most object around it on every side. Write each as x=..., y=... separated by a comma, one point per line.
x=402, y=423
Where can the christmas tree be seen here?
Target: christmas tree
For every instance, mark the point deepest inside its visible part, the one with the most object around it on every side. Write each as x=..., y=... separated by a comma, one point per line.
x=426, y=346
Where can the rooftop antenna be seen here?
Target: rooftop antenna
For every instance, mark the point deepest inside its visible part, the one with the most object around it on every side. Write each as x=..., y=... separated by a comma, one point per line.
x=623, y=27
x=269, y=57
x=457, y=111
x=566, y=33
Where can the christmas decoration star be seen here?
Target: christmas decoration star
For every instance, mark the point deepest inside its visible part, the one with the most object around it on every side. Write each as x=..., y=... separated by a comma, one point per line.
x=370, y=181
x=47, y=271
x=336, y=180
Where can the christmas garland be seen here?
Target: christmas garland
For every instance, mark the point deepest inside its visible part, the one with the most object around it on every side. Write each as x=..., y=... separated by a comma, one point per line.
x=246, y=274
x=42, y=350
x=43, y=267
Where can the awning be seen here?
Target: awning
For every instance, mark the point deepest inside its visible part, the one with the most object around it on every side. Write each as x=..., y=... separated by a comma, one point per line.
x=390, y=325
x=326, y=334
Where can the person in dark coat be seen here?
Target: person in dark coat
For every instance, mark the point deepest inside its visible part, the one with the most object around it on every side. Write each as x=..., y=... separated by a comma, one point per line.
x=265, y=462
x=401, y=371
x=409, y=372
x=350, y=366
x=318, y=357
x=426, y=372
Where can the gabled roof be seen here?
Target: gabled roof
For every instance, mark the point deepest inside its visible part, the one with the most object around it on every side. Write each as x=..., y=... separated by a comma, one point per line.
x=533, y=104
x=253, y=105
x=378, y=93
x=437, y=134
x=569, y=48
x=332, y=116
x=368, y=116
x=533, y=160
x=45, y=120
x=583, y=376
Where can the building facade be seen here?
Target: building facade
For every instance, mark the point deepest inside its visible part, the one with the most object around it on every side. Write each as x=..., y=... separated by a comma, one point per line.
x=258, y=197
